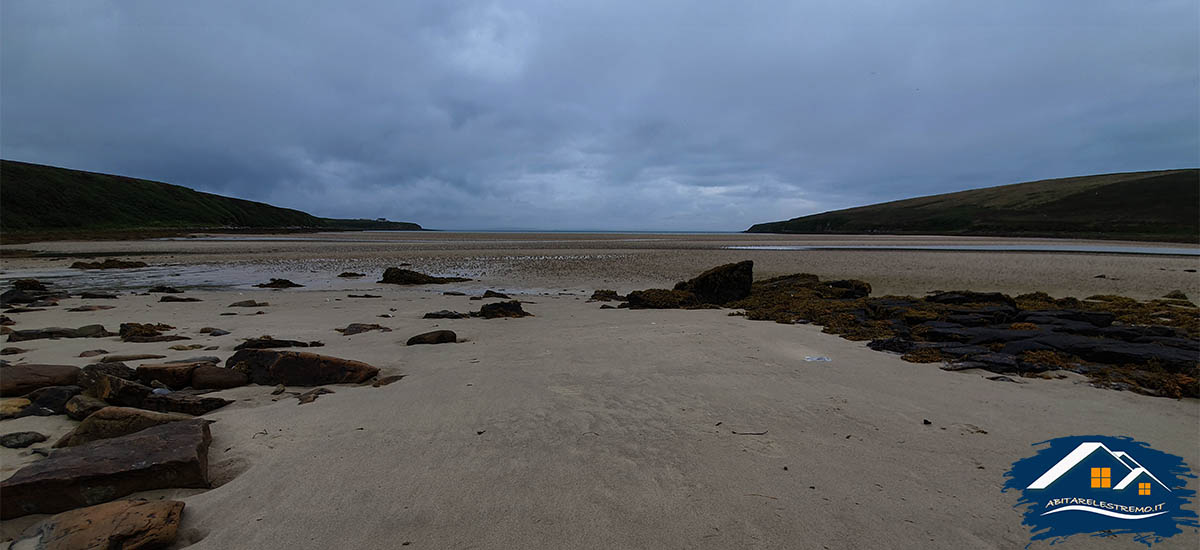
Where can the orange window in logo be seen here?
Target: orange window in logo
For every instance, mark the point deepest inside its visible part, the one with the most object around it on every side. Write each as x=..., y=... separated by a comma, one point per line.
x=1102, y=478
x=1143, y=488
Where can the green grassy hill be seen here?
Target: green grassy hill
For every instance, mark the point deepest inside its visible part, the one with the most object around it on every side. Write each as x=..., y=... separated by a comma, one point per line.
x=1152, y=206
x=46, y=200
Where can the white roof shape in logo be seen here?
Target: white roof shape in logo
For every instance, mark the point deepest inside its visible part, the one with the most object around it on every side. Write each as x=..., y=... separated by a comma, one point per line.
x=1085, y=450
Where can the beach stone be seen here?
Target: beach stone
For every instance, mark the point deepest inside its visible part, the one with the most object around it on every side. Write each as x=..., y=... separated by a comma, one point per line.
x=13, y=351
x=445, y=314
x=11, y=407
x=92, y=352
x=194, y=405
x=494, y=294
x=164, y=289
x=453, y=293
x=398, y=276
x=21, y=379
x=164, y=456
x=81, y=406
x=97, y=296
x=249, y=303
x=170, y=298
x=351, y=275
x=434, y=337
x=278, y=283
x=358, y=328
x=147, y=332
x=28, y=284
x=659, y=298
x=88, y=331
x=173, y=375
x=496, y=310
x=118, y=525
x=51, y=400
x=721, y=284
x=110, y=422
x=119, y=391
x=20, y=440
x=196, y=359
x=210, y=377
x=294, y=368
x=218, y=332
x=89, y=374
x=89, y=308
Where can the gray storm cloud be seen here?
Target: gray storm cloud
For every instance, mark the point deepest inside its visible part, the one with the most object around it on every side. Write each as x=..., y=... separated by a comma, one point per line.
x=615, y=115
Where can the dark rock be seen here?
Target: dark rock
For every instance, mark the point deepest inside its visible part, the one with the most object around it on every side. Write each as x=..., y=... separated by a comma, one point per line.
x=110, y=422
x=721, y=284
x=445, y=314
x=20, y=440
x=165, y=456
x=164, y=289
x=195, y=405
x=28, y=284
x=92, y=352
x=453, y=293
x=51, y=399
x=293, y=368
x=278, y=283
x=996, y=362
x=351, y=274
x=502, y=309
x=358, y=328
x=197, y=359
x=22, y=379
x=119, y=525
x=89, y=308
x=88, y=331
x=13, y=351
x=606, y=296
x=847, y=289
x=129, y=357
x=658, y=298
x=1115, y=352
x=494, y=294
x=435, y=337
x=249, y=303
x=218, y=332
x=209, y=377
x=90, y=374
x=969, y=297
x=108, y=264
x=81, y=406
x=1095, y=318
x=363, y=296
x=5, y=321
x=266, y=342
x=398, y=276
x=170, y=298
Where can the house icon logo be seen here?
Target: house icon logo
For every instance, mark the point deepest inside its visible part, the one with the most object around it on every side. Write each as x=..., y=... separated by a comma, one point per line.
x=1100, y=484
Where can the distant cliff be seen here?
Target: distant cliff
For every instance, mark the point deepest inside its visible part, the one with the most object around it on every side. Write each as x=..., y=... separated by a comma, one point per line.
x=1149, y=206
x=48, y=200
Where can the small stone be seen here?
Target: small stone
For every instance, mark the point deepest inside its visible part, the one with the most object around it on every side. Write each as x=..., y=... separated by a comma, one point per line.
x=434, y=337
x=20, y=440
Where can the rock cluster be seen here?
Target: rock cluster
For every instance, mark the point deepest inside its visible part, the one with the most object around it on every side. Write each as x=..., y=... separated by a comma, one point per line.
x=717, y=286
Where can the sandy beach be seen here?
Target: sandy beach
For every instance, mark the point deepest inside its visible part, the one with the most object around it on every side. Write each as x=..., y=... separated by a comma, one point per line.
x=587, y=428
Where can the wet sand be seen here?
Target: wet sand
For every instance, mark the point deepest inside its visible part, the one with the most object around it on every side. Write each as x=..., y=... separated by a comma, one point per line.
x=589, y=428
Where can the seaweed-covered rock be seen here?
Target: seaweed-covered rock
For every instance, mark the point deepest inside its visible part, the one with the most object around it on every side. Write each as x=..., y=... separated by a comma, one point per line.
x=147, y=332
x=399, y=276
x=721, y=284
x=969, y=297
x=497, y=310
x=604, y=295
x=661, y=298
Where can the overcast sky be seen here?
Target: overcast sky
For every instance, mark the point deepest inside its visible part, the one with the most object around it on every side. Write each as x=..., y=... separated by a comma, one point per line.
x=697, y=115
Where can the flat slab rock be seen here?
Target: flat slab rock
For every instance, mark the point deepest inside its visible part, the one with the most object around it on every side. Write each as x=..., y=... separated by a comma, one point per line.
x=295, y=368
x=160, y=457
x=123, y=524
x=22, y=379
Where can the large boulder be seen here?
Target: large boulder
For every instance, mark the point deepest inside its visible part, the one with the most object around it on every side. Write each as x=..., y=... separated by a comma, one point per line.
x=721, y=284
x=117, y=525
x=295, y=368
x=87, y=331
x=22, y=379
x=111, y=422
x=212, y=377
x=434, y=337
x=398, y=276
x=661, y=298
x=165, y=456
